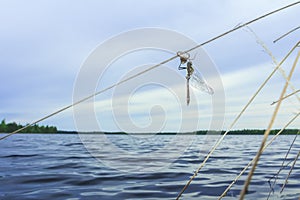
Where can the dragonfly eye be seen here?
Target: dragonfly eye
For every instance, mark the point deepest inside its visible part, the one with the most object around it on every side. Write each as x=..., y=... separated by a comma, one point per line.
x=182, y=60
x=184, y=57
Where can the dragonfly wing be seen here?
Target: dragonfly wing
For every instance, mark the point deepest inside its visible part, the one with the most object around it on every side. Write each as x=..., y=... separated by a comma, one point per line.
x=199, y=83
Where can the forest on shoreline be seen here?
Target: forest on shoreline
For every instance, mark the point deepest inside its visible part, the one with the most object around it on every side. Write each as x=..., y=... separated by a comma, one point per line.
x=13, y=126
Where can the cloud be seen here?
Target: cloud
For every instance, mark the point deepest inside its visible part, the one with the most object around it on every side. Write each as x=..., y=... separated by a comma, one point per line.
x=238, y=87
x=44, y=43
x=152, y=110
x=241, y=85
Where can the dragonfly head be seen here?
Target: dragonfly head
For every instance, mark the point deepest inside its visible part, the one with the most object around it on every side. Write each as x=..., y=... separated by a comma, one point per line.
x=184, y=57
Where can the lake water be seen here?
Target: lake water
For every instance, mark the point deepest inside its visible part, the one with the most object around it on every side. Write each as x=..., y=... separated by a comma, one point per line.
x=45, y=166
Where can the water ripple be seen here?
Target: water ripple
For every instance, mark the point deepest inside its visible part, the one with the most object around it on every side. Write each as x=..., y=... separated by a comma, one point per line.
x=59, y=167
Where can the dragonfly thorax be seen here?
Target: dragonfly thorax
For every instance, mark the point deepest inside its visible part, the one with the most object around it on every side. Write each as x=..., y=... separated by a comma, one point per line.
x=189, y=69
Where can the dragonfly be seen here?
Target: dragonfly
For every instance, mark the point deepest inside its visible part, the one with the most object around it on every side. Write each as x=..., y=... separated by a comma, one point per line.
x=193, y=77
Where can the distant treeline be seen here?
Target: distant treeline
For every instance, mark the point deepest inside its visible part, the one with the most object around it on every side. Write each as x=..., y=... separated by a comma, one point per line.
x=11, y=127
x=251, y=132
x=206, y=132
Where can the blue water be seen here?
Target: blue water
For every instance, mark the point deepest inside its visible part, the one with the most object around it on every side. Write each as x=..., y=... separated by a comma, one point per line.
x=45, y=166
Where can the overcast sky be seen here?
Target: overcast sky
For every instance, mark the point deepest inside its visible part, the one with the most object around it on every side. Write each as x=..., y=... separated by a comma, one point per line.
x=43, y=45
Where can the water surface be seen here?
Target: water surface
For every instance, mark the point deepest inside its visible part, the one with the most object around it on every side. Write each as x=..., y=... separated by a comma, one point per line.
x=45, y=166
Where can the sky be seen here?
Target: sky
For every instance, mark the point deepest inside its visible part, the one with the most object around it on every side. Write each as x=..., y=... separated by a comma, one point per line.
x=44, y=45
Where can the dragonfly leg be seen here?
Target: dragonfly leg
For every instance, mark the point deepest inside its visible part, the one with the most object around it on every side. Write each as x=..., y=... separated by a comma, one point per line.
x=181, y=68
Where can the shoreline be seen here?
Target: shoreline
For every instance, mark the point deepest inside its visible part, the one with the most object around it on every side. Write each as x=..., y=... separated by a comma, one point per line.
x=200, y=132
